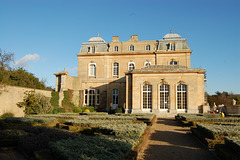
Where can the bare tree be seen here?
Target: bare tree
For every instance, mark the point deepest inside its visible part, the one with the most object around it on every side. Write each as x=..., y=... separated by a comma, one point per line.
x=5, y=59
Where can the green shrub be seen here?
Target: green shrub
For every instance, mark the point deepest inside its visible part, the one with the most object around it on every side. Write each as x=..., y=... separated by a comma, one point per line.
x=66, y=101
x=76, y=109
x=91, y=109
x=86, y=148
x=54, y=99
x=119, y=110
x=5, y=115
x=57, y=110
x=24, y=120
x=35, y=103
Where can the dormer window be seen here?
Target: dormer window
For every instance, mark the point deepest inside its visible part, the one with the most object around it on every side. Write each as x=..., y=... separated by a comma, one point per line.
x=131, y=48
x=172, y=46
x=131, y=66
x=116, y=48
x=148, y=48
x=147, y=64
x=93, y=49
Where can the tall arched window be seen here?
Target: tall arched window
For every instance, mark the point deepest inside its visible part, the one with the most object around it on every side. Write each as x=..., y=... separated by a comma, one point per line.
x=92, y=69
x=181, y=96
x=115, y=69
x=164, y=96
x=131, y=66
x=91, y=97
x=147, y=96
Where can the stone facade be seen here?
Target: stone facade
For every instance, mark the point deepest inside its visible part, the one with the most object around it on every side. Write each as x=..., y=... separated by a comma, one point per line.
x=113, y=74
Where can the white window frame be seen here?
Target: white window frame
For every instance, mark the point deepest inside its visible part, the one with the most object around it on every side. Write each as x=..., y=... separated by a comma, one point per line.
x=166, y=97
x=92, y=71
x=131, y=48
x=145, y=64
x=149, y=95
x=183, y=97
x=115, y=69
x=91, y=98
x=116, y=49
x=130, y=67
x=148, y=47
x=97, y=96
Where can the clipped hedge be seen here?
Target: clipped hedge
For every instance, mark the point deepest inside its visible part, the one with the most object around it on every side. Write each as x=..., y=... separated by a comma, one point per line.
x=94, y=113
x=218, y=131
x=94, y=123
x=96, y=148
x=5, y=115
x=130, y=130
x=24, y=120
x=233, y=143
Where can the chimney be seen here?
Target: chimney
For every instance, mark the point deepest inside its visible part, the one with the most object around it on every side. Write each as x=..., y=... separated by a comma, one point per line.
x=115, y=39
x=134, y=37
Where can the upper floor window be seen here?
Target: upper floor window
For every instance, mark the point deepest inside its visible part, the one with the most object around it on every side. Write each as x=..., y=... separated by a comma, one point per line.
x=131, y=66
x=92, y=69
x=115, y=69
x=88, y=49
x=173, y=63
x=147, y=64
x=116, y=48
x=93, y=49
x=148, y=48
x=172, y=46
x=131, y=48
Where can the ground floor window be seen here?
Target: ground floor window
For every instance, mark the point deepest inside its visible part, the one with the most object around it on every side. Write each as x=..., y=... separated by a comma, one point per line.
x=97, y=97
x=164, y=96
x=85, y=96
x=91, y=97
x=181, y=96
x=147, y=97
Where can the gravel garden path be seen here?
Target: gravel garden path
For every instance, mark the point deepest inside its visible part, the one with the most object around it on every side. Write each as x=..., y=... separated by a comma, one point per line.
x=170, y=141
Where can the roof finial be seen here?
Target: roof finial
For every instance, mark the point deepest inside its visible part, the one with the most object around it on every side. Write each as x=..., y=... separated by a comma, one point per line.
x=98, y=34
x=171, y=31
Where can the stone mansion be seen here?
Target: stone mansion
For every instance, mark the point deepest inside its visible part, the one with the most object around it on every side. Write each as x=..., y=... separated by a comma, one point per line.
x=141, y=76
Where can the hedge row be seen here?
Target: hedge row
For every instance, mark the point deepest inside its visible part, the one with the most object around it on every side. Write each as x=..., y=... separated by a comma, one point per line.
x=130, y=130
x=218, y=131
x=95, y=148
x=24, y=120
x=94, y=123
x=233, y=143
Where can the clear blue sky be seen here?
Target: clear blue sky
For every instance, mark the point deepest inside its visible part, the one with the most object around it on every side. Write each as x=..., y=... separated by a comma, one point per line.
x=46, y=35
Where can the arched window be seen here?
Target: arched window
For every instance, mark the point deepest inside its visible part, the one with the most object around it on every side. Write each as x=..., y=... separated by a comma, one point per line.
x=147, y=96
x=116, y=48
x=131, y=66
x=164, y=96
x=148, y=48
x=115, y=69
x=147, y=64
x=92, y=69
x=173, y=63
x=181, y=96
x=131, y=48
